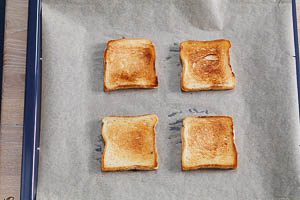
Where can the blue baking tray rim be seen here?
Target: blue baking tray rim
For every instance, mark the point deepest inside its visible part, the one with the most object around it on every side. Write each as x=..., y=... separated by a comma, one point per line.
x=295, y=26
x=32, y=103
x=32, y=110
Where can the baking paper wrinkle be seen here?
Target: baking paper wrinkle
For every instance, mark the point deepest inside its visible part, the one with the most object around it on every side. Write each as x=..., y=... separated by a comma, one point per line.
x=264, y=104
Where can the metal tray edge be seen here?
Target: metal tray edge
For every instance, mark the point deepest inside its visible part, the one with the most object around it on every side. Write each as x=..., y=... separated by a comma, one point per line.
x=32, y=103
x=31, y=131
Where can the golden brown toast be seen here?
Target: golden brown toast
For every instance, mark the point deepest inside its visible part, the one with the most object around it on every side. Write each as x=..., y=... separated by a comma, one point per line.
x=129, y=63
x=208, y=142
x=130, y=143
x=206, y=65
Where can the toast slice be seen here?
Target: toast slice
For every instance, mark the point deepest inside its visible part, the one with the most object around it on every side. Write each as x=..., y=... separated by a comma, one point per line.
x=206, y=65
x=208, y=142
x=129, y=63
x=130, y=143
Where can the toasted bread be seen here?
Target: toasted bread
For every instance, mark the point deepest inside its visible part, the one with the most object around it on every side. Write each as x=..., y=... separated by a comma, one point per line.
x=206, y=65
x=129, y=63
x=208, y=142
x=130, y=143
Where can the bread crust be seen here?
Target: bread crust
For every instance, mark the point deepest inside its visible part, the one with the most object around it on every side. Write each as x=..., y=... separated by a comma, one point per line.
x=153, y=83
x=206, y=166
x=105, y=168
x=212, y=86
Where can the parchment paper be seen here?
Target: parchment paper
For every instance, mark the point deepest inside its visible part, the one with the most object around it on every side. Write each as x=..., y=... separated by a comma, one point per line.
x=264, y=104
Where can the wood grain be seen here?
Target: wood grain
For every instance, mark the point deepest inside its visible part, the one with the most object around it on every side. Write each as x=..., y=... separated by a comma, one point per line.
x=10, y=161
x=13, y=97
x=14, y=62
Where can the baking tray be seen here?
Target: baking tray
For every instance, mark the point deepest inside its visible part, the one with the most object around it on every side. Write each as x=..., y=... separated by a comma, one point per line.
x=33, y=98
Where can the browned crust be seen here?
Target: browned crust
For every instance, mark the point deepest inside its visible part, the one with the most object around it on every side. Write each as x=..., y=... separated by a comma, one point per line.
x=213, y=166
x=131, y=86
x=133, y=167
x=213, y=87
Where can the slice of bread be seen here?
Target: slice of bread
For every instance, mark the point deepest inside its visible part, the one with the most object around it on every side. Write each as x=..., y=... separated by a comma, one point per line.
x=208, y=142
x=206, y=65
x=129, y=63
x=130, y=143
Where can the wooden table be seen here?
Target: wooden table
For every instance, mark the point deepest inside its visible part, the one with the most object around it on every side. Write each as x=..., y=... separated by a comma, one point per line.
x=13, y=97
